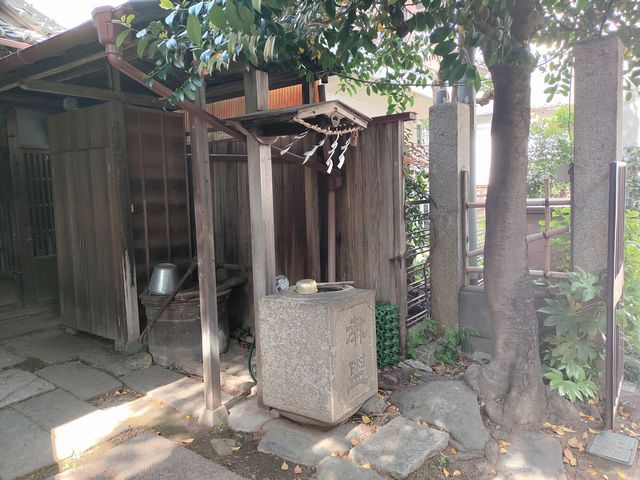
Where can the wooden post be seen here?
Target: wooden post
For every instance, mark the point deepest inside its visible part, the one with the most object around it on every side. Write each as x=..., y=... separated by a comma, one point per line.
x=311, y=205
x=213, y=412
x=23, y=227
x=128, y=335
x=263, y=249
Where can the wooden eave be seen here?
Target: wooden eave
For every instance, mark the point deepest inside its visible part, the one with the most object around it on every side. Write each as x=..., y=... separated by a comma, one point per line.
x=282, y=121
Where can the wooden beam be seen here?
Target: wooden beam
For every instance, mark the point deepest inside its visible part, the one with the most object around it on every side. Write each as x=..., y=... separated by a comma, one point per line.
x=263, y=248
x=311, y=204
x=203, y=209
x=71, y=90
x=50, y=66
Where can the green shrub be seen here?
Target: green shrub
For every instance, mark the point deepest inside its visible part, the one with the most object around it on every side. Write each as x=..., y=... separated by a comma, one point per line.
x=387, y=336
x=451, y=340
x=576, y=313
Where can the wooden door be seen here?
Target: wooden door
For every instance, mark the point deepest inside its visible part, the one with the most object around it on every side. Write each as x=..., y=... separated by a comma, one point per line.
x=89, y=212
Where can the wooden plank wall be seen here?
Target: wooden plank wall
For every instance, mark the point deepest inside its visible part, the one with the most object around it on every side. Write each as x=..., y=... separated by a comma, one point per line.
x=159, y=189
x=370, y=215
x=232, y=222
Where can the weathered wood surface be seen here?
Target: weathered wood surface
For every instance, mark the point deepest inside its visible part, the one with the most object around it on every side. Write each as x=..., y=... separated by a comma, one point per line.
x=159, y=189
x=96, y=288
x=370, y=216
x=203, y=210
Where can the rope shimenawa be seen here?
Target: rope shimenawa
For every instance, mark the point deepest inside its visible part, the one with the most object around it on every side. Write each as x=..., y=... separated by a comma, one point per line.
x=337, y=132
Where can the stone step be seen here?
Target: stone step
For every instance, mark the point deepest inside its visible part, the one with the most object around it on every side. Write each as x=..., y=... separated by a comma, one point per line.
x=400, y=447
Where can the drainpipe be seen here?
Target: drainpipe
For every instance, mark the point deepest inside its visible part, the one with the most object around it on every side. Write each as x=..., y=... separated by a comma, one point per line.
x=103, y=22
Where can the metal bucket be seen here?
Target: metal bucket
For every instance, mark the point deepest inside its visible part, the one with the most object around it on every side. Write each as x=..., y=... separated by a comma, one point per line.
x=164, y=279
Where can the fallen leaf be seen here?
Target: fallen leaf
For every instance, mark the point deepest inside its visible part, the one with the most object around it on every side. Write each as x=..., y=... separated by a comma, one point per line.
x=585, y=435
x=445, y=472
x=503, y=443
x=574, y=442
x=620, y=475
x=367, y=466
x=366, y=420
x=187, y=441
x=235, y=448
x=595, y=432
x=355, y=441
x=284, y=466
x=569, y=458
x=424, y=424
x=187, y=417
x=503, y=450
x=456, y=473
x=453, y=451
x=335, y=453
x=297, y=470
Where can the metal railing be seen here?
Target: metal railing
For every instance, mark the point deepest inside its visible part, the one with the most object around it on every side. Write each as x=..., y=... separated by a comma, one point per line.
x=418, y=238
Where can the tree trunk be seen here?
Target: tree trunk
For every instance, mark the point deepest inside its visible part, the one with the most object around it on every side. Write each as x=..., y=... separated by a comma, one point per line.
x=511, y=383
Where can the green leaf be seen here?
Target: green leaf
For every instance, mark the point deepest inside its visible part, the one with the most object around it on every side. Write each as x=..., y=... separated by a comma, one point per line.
x=439, y=34
x=166, y=4
x=217, y=17
x=445, y=48
x=231, y=14
x=122, y=36
x=193, y=30
x=142, y=46
x=257, y=4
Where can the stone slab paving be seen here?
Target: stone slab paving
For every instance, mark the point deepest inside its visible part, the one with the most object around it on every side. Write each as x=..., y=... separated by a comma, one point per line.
x=183, y=393
x=53, y=346
x=17, y=385
x=335, y=468
x=73, y=423
x=400, y=447
x=9, y=359
x=54, y=409
x=531, y=456
x=247, y=416
x=148, y=379
x=25, y=446
x=303, y=445
x=149, y=457
x=450, y=405
x=82, y=381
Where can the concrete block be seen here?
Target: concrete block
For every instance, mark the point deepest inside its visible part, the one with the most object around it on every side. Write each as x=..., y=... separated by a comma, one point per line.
x=400, y=447
x=336, y=468
x=78, y=379
x=54, y=408
x=531, y=457
x=54, y=346
x=452, y=406
x=146, y=457
x=448, y=159
x=18, y=385
x=597, y=142
x=318, y=353
x=247, y=416
x=8, y=359
x=303, y=445
x=25, y=446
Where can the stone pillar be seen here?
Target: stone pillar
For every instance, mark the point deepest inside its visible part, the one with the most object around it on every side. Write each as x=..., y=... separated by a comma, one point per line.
x=598, y=141
x=448, y=158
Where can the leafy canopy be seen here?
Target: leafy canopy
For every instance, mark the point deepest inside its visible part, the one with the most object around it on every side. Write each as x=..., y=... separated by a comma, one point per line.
x=381, y=45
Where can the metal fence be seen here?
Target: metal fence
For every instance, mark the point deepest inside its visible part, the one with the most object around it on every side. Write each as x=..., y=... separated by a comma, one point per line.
x=418, y=231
